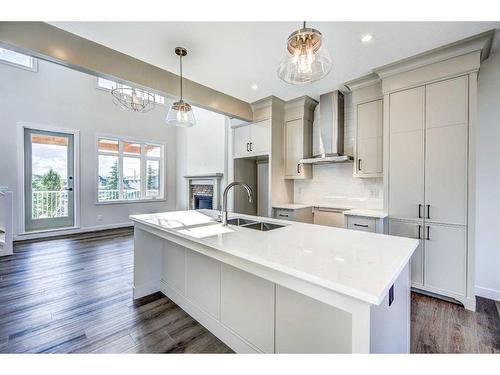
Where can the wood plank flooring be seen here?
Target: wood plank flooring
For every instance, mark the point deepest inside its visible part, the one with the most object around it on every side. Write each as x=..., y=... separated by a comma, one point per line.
x=74, y=295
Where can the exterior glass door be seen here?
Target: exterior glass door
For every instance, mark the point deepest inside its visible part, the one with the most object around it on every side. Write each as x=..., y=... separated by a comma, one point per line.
x=48, y=180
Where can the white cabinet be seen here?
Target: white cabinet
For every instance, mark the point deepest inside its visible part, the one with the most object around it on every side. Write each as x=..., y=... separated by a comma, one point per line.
x=411, y=230
x=302, y=214
x=428, y=177
x=446, y=151
x=305, y=325
x=252, y=139
x=247, y=307
x=445, y=258
x=406, y=153
x=203, y=282
x=330, y=217
x=369, y=125
x=298, y=145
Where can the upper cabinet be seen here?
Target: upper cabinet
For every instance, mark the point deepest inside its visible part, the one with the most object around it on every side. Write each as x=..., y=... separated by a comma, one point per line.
x=299, y=115
x=368, y=107
x=252, y=139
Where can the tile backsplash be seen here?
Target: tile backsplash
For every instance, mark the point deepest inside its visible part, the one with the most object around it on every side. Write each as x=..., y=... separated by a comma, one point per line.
x=333, y=184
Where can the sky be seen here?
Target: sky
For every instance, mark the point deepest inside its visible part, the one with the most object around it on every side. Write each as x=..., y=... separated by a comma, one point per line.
x=45, y=157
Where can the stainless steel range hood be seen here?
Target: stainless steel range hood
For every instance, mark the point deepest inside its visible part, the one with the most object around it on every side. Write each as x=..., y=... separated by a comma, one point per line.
x=328, y=131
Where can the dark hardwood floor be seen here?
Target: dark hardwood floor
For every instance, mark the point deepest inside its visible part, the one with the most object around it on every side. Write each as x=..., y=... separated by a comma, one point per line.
x=74, y=295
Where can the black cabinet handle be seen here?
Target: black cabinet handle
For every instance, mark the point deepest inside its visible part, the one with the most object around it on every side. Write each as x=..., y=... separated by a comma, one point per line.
x=251, y=146
x=283, y=215
x=298, y=168
x=428, y=211
x=359, y=165
x=419, y=232
x=361, y=225
x=419, y=211
x=428, y=237
x=248, y=145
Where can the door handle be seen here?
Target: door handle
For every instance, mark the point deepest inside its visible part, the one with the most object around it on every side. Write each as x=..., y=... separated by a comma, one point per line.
x=419, y=211
x=428, y=211
x=69, y=189
x=428, y=237
x=359, y=165
x=251, y=146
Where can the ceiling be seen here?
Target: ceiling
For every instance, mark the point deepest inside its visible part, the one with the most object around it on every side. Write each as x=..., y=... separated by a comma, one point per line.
x=233, y=56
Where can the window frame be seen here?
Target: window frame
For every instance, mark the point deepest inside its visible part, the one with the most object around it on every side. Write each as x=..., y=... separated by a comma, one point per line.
x=33, y=68
x=143, y=165
x=118, y=84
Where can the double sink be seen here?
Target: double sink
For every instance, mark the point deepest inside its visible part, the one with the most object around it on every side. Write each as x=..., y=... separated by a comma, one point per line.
x=252, y=224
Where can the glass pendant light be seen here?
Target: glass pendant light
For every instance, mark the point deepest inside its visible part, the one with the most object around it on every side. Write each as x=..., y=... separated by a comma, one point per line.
x=180, y=113
x=306, y=58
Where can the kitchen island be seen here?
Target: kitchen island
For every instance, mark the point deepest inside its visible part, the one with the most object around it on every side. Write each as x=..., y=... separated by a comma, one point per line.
x=279, y=287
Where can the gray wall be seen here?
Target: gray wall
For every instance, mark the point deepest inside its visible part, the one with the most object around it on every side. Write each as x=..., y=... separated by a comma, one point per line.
x=61, y=97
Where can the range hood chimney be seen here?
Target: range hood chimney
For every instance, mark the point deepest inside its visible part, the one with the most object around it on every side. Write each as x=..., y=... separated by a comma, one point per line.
x=328, y=130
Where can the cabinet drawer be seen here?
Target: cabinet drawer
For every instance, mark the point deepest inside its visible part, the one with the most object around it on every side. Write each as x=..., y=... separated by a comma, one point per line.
x=284, y=214
x=365, y=224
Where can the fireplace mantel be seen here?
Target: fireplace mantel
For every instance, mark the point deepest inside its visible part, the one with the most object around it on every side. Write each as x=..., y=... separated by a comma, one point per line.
x=212, y=179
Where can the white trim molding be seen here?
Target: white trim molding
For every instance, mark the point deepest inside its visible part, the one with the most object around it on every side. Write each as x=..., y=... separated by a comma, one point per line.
x=493, y=294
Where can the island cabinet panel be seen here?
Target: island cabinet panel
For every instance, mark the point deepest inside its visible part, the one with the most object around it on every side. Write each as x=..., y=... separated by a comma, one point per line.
x=247, y=307
x=203, y=282
x=305, y=325
x=174, y=266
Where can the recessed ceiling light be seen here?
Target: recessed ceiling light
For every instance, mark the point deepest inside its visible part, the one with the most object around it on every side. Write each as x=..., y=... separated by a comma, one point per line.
x=254, y=86
x=366, y=38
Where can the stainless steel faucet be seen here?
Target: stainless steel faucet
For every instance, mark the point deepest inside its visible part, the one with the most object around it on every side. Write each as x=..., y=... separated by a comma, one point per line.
x=224, y=198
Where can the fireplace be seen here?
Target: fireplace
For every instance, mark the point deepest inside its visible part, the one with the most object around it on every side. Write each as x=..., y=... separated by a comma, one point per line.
x=203, y=191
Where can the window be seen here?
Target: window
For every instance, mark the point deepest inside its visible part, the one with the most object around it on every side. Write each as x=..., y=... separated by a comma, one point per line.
x=106, y=84
x=18, y=59
x=129, y=170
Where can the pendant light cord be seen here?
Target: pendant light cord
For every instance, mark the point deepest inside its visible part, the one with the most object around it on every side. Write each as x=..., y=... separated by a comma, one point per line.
x=180, y=56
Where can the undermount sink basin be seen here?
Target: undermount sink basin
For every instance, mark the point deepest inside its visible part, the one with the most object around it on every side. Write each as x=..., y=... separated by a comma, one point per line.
x=257, y=225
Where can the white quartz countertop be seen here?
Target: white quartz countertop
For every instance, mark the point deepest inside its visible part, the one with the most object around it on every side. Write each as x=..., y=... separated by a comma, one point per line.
x=292, y=206
x=361, y=265
x=379, y=214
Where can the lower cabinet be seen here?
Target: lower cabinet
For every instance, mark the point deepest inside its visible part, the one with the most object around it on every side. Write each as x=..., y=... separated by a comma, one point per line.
x=247, y=307
x=411, y=230
x=445, y=258
x=203, y=282
x=305, y=325
x=439, y=264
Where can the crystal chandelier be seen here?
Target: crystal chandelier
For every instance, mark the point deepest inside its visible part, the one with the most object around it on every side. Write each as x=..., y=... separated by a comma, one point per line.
x=132, y=99
x=306, y=58
x=180, y=113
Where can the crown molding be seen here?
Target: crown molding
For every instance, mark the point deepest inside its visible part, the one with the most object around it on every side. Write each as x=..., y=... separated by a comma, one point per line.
x=364, y=81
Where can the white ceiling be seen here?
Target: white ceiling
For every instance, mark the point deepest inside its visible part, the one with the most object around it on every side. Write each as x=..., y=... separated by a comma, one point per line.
x=231, y=56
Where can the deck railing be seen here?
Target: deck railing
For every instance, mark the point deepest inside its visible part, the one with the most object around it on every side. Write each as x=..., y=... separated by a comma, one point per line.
x=110, y=195
x=49, y=204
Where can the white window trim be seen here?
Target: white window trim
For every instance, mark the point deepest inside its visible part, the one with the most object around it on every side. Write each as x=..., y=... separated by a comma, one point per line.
x=33, y=69
x=163, y=185
x=108, y=90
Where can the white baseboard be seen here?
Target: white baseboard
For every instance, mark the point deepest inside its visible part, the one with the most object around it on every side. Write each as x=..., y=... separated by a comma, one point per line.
x=61, y=232
x=488, y=293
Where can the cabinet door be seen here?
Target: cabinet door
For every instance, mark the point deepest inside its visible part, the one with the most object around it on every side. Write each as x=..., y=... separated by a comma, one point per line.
x=406, y=153
x=241, y=141
x=445, y=258
x=369, y=138
x=203, y=282
x=260, y=137
x=294, y=143
x=446, y=151
x=412, y=230
x=247, y=306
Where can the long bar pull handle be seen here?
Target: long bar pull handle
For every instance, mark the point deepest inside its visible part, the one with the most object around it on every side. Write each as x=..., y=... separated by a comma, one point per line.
x=419, y=211
x=248, y=145
x=419, y=232
x=428, y=237
x=251, y=146
x=298, y=168
x=361, y=225
x=359, y=165
x=428, y=211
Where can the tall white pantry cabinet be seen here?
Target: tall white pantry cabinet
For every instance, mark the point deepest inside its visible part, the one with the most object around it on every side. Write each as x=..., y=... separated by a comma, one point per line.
x=429, y=119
